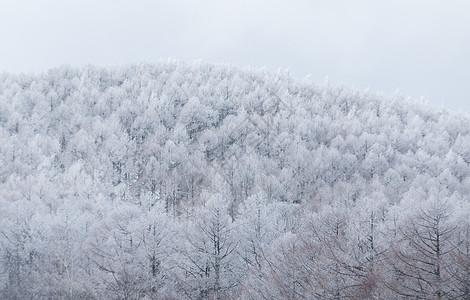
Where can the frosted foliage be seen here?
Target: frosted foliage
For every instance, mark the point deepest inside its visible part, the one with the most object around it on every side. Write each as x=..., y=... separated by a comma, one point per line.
x=203, y=181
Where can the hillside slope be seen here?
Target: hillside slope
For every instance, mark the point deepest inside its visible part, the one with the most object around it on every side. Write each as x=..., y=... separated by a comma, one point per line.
x=210, y=181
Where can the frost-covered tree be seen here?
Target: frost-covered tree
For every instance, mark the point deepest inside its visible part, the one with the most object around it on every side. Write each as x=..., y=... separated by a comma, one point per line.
x=421, y=264
x=206, y=257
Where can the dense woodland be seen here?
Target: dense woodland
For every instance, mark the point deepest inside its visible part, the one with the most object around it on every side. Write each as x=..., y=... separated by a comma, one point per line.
x=202, y=181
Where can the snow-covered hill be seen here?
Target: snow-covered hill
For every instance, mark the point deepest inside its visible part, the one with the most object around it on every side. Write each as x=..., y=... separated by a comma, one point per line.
x=209, y=181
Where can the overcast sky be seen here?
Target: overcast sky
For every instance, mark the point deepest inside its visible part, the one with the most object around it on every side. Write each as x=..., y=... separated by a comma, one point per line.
x=419, y=47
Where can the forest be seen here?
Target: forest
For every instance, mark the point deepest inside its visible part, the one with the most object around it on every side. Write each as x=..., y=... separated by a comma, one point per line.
x=210, y=181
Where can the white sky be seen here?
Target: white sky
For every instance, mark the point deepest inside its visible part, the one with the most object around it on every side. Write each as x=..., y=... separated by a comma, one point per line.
x=420, y=47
